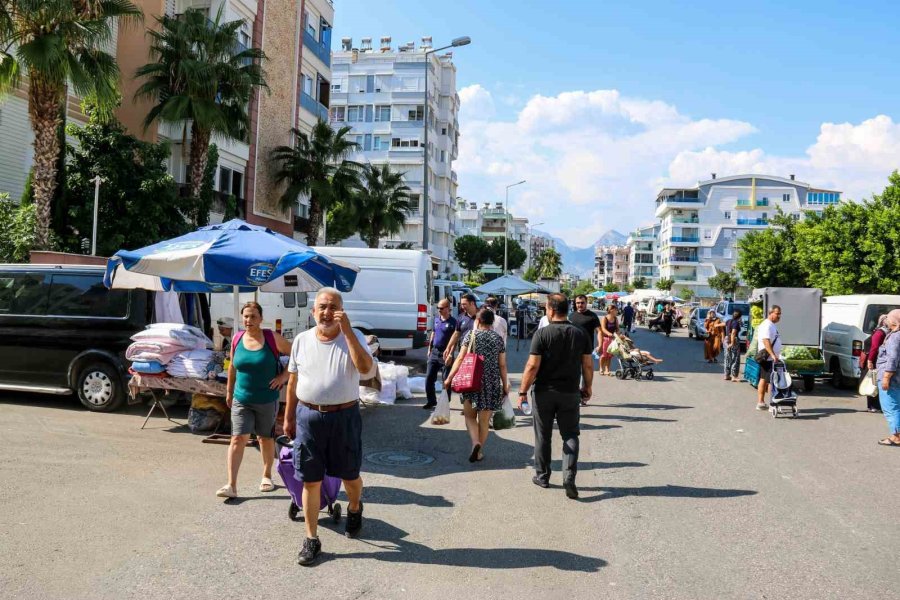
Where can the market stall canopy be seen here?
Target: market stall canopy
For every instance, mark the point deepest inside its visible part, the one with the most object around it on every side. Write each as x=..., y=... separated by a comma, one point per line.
x=598, y=294
x=232, y=256
x=672, y=299
x=510, y=285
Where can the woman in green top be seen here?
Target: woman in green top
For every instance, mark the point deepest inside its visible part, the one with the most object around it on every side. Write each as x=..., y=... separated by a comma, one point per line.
x=253, y=385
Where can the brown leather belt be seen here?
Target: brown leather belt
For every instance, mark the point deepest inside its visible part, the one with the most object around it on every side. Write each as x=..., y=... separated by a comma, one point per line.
x=327, y=408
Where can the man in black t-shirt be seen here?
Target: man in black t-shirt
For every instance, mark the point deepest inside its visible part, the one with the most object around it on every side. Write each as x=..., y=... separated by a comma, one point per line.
x=586, y=319
x=560, y=359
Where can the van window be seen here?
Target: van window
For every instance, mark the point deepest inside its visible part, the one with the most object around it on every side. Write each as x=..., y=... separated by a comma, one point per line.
x=23, y=294
x=85, y=296
x=430, y=292
x=873, y=312
x=302, y=299
x=290, y=299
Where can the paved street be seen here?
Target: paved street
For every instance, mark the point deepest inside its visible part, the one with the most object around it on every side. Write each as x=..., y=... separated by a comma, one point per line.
x=687, y=492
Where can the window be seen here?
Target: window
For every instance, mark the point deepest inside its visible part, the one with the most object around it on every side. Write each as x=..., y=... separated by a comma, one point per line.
x=382, y=83
x=244, y=35
x=785, y=197
x=414, y=204
x=307, y=85
x=85, y=296
x=355, y=114
x=707, y=234
x=726, y=253
x=727, y=233
x=409, y=84
x=359, y=142
x=404, y=143
x=309, y=25
x=707, y=253
x=338, y=86
x=443, y=131
x=727, y=215
x=338, y=114
x=23, y=294
x=290, y=299
x=382, y=113
x=357, y=84
x=379, y=143
x=443, y=156
x=416, y=113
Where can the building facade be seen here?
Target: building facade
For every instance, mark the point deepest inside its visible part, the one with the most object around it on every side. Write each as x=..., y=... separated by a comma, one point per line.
x=380, y=94
x=643, y=251
x=700, y=226
x=537, y=244
x=611, y=266
x=490, y=223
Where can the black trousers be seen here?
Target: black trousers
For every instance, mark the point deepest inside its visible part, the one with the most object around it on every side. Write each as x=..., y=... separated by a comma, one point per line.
x=872, y=402
x=435, y=367
x=565, y=409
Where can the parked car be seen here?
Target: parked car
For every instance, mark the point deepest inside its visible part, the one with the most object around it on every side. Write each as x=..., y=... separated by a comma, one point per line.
x=847, y=321
x=62, y=331
x=726, y=308
x=695, y=326
x=393, y=296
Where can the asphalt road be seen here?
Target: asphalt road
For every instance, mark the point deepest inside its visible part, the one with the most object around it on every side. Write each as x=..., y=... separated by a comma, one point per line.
x=686, y=492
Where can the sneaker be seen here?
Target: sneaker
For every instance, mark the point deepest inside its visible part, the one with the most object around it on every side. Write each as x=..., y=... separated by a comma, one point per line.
x=308, y=553
x=539, y=482
x=571, y=490
x=762, y=407
x=354, y=522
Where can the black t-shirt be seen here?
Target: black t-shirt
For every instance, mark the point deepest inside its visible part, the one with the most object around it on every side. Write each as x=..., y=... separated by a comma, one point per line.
x=561, y=347
x=587, y=321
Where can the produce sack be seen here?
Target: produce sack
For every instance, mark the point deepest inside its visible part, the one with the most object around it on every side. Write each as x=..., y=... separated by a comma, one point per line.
x=441, y=414
x=505, y=418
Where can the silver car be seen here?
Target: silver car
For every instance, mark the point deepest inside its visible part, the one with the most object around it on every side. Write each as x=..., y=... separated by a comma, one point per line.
x=696, y=327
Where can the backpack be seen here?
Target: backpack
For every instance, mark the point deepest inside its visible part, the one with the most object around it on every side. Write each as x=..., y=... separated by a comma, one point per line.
x=270, y=342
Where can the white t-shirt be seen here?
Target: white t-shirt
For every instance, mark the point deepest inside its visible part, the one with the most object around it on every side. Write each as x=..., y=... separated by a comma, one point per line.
x=768, y=331
x=545, y=320
x=500, y=327
x=325, y=372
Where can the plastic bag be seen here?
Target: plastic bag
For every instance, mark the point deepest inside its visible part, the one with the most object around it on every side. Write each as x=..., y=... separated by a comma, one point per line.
x=441, y=414
x=868, y=385
x=388, y=393
x=416, y=385
x=368, y=395
x=505, y=418
x=403, y=389
x=202, y=420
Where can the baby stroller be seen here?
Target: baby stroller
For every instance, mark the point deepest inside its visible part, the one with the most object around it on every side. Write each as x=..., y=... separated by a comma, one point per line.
x=631, y=363
x=331, y=486
x=784, y=398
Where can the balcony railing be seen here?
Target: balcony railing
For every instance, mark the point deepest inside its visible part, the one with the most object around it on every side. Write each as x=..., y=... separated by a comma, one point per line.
x=680, y=199
x=752, y=221
x=685, y=219
x=313, y=106
x=682, y=258
x=678, y=277
x=685, y=239
x=743, y=202
x=322, y=51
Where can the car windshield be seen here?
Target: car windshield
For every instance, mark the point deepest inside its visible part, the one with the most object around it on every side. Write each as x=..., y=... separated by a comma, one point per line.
x=744, y=309
x=701, y=313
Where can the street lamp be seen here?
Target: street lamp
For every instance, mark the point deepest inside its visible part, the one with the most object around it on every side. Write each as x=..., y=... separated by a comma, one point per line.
x=530, y=236
x=506, y=210
x=460, y=41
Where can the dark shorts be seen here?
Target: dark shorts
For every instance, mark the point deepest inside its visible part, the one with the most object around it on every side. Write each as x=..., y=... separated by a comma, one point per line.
x=765, y=370
x=328, y=443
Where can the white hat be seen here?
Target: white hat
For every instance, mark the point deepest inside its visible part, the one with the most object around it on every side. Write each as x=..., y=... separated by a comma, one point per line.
x=225, y=322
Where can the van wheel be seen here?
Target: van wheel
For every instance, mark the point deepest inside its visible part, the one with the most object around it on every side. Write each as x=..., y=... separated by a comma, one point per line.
x=809, y=383
x=837, y=376
x=99, y=388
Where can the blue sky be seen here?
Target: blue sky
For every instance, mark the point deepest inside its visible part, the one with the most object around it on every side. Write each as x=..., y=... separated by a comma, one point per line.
x=598, y=104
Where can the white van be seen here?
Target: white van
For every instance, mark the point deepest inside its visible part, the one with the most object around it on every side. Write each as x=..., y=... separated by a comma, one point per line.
x=847, y=321
x=286, y=313
x=393, y=296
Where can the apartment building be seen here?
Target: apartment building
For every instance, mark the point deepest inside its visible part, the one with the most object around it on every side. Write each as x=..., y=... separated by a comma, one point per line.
x=490, y=223
x=537, y=244
x=611, y=265
x=643, y=257
x=700, y=226
x=296, y=37
x=380, y=93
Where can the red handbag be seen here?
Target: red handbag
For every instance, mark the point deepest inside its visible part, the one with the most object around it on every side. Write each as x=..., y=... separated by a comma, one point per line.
x=468, y=378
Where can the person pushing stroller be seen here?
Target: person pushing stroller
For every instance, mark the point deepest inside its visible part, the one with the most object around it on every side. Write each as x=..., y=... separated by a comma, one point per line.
x=627, y=347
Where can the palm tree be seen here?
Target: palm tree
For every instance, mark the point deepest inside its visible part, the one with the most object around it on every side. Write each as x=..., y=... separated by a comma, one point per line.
x=58, y=43
x=549, y=264
x=201, y=74
x=383, y=205
x=316, y=166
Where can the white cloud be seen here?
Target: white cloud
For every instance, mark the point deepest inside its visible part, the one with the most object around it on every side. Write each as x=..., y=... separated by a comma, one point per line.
x=594, y=160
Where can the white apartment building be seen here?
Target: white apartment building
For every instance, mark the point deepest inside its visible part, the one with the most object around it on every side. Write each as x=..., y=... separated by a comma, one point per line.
x=380, y=93
x=643, y=249
x=700, y=226
x=490, y=223
x=611, y=265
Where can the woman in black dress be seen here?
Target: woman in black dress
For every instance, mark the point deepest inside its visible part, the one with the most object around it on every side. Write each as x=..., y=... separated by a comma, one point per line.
x=478, y=407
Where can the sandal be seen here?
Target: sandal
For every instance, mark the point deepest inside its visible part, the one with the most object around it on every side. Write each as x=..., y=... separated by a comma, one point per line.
x=888, y=442
x=266, y=485
x=226, y=491
x=475, y=452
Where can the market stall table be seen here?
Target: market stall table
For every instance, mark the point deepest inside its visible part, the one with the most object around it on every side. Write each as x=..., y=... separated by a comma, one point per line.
x=153, y=384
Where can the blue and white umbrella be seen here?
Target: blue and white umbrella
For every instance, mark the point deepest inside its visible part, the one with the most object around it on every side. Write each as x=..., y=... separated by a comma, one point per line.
x=234, y=256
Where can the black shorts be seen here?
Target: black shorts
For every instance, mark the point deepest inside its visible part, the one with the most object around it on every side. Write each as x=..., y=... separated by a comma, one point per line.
x=765, y=370
x=328, y=443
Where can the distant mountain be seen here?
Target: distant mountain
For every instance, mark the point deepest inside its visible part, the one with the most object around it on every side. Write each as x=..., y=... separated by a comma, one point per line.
x=581, y=260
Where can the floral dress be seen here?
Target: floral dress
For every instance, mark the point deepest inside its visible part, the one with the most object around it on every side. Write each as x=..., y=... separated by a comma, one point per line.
x=489, y=345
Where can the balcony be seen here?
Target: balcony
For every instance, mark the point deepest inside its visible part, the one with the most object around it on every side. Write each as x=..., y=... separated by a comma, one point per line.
x=312, y=105
x=752, y=221
x=742, y=203
x=683, y=258
x=320, y=49
x=694, y=220
x=684, y=277
x=685, y=239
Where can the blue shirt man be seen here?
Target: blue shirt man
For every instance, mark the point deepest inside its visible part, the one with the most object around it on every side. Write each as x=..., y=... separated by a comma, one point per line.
x=441, y=336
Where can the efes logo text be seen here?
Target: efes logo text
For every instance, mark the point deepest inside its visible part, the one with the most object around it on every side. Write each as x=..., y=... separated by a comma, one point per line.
x=259, y=273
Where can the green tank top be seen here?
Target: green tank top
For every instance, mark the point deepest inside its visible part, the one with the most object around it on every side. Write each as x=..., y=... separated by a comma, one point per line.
x=254, y=370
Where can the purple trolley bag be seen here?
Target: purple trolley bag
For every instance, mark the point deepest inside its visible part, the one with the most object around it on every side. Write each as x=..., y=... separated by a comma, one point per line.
x=331, y=486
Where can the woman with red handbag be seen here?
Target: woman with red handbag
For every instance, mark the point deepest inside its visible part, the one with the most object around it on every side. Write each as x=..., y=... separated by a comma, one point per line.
x=479, y=374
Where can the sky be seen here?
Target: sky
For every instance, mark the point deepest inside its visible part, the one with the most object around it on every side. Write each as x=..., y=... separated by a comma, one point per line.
x=598, y=105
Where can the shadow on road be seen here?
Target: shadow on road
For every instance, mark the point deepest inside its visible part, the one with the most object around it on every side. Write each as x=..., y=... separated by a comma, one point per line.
x=389, y=546
x=664, y=491
x=628, y=418
x=376, y=494
x=647, y=406
x=820, y=413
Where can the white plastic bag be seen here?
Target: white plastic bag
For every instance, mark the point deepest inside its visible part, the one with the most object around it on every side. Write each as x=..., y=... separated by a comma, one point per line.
x=869, y=385
x=403, y=390
x=368, y=395
x=441, y=414
x=416, y=385
x=388, y=393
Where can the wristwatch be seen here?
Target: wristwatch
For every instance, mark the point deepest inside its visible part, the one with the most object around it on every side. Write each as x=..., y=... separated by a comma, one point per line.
x=523, y=393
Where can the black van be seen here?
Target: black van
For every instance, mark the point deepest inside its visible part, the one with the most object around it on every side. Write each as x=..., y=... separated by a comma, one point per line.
x=62, y=331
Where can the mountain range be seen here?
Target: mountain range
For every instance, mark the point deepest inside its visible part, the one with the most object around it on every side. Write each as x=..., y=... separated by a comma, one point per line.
x=581, y=260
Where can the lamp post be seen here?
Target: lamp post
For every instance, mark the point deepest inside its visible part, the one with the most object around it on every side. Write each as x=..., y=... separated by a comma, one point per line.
x=460, y=41
x=96, y=181
x=531, y=235
x=506, y=210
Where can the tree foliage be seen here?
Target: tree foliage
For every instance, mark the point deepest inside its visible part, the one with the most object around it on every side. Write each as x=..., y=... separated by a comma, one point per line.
x=724, y=282
x=686, y=294
x=585, y=286
x=17, y=234
x=203, y=204
x=549, y=264
x=516, y=255
x=531, y=274
x=639, y=283
x=768, y=257
x=611, y=287
x=471, y=253
x=378, y=209
x=665, y=284
x=139, y=203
